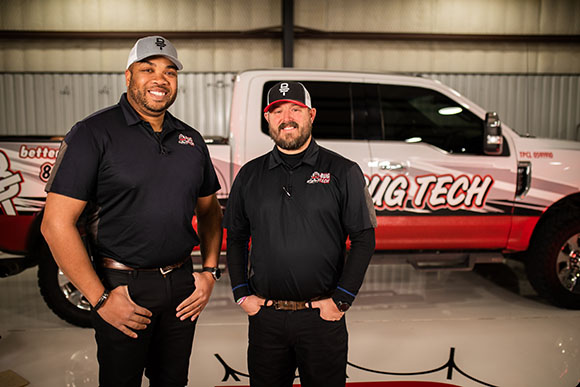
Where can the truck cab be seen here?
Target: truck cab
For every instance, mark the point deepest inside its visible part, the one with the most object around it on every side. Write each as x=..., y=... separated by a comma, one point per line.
x=452, y=185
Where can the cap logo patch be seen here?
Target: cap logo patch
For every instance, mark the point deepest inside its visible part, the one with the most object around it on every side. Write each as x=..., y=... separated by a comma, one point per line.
x=317, y=177
x=160, y=42
x=284, y=89
x=185, y=140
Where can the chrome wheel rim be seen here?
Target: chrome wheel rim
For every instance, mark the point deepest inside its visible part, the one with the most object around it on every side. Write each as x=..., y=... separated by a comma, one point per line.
x=568, y=264
x=71, y=293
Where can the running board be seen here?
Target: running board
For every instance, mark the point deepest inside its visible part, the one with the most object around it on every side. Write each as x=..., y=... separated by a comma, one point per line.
x=440, y=261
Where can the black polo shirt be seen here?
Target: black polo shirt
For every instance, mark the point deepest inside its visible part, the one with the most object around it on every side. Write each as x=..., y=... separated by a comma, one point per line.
x=298, y=220
x=144, y=185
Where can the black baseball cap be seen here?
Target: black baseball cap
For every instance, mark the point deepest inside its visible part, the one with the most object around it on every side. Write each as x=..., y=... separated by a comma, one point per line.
x=288, y=91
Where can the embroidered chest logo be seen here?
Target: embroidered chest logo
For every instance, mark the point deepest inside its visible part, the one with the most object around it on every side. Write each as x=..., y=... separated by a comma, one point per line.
x=185, y=140
x=317, y=177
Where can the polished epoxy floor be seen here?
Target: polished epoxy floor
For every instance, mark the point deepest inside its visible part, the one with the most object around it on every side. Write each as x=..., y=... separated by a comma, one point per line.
x=407, y=328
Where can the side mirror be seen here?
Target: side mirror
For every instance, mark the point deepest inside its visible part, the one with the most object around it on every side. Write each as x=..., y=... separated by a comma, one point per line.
x=492, y=137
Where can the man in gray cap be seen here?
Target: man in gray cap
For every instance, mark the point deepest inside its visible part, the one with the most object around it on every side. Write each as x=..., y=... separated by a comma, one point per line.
x=144, y=173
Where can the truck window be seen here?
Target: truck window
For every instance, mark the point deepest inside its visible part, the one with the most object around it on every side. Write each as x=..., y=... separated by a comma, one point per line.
x=368, y=111
x=415, y=114
x=333, y=113
x=344, y=111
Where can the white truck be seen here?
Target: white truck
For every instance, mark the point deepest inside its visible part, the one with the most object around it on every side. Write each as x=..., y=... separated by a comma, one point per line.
x=451, y=185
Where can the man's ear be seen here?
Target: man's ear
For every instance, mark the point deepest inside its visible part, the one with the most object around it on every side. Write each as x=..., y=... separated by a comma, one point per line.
x=128, y=75
x=312, y=114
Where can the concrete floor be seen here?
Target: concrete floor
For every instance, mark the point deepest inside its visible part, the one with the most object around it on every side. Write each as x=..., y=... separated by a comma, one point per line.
x=470, y=328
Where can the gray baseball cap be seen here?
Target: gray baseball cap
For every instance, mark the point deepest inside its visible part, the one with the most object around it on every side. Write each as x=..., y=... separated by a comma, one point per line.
x=152, y=46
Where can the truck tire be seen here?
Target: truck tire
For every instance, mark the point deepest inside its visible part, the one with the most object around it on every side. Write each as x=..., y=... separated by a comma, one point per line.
x=61, y=296
x=553, y=259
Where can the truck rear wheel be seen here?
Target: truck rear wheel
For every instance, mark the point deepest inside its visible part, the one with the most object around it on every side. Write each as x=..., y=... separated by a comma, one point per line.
x=553, y=260
x=61, y=296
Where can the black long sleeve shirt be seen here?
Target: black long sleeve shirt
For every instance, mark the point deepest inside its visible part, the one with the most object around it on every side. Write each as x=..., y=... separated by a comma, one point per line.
x=298, y=219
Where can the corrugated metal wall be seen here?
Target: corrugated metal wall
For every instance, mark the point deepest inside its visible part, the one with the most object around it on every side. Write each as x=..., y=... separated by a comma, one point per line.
x=430, y=16
x=135, y=15
x=441, y=16
x=486, y=17
x=49, y=104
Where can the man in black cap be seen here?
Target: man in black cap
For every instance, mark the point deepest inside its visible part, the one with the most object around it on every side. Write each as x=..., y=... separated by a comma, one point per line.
x=145, y=173
x=298, y=203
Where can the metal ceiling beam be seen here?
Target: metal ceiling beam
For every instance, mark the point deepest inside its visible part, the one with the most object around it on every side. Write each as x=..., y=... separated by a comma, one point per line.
x=435, y=37
x=288, y=33
x=265, y=33
x=298, y=33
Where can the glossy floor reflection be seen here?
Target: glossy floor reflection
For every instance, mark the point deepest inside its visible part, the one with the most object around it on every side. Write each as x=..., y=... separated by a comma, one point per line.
x=453, y=328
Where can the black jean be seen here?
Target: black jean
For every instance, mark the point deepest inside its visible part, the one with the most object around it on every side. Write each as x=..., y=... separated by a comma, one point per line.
x=164, y=348
x=281, y=341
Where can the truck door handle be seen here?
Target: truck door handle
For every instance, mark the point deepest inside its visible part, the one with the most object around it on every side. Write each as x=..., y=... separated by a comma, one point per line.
x=388, y=166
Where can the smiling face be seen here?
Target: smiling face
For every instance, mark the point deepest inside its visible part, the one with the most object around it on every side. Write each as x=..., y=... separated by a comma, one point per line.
x=151, y=86
x=290, y=126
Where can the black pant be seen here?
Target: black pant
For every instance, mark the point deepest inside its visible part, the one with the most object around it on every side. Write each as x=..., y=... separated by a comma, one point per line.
x=281, y=341
x=164, y=348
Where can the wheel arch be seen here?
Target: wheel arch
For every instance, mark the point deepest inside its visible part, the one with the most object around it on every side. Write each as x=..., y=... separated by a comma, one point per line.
x=553, y=274
x=569, y=204
x=35, y=242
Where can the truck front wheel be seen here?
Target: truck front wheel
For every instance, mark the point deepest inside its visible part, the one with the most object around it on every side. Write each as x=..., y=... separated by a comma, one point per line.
x=61, y=296
x=553, y=260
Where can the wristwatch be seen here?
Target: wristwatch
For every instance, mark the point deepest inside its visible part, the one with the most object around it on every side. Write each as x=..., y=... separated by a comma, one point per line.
x=101, y=300
x=342, y=306
x=215, y=272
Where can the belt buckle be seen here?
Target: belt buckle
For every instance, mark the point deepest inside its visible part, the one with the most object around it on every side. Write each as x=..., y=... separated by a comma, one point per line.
x=166, y=270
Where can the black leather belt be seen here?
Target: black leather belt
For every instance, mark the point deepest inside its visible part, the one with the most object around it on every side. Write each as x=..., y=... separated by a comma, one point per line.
x=110, y=263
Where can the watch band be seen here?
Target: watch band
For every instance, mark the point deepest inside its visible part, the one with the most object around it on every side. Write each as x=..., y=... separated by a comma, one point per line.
x=101, y=301
x=215, y=272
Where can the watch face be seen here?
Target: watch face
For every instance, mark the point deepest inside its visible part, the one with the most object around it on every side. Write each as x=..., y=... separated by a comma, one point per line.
x=342, y=306
x=215, y=271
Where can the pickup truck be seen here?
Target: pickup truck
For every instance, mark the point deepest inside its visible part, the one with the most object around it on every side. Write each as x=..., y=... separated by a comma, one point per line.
x=452, y=186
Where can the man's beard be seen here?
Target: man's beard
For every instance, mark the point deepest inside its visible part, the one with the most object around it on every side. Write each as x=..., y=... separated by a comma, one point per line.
x=292, y=143
x=141, y=98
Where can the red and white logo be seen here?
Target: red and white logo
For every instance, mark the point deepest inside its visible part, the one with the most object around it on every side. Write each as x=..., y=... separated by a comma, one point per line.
x=9, y=186
x=317, y=177
x=185, y=140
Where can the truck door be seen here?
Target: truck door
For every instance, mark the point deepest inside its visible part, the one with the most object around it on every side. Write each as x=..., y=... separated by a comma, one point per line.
x=432, y=185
